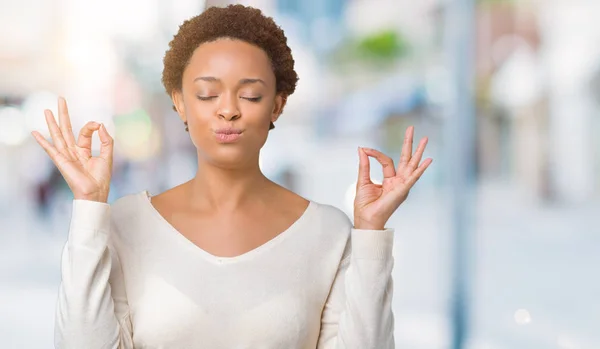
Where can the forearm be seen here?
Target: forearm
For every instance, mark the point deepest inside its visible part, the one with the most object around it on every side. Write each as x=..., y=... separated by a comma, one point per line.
x=85, y=311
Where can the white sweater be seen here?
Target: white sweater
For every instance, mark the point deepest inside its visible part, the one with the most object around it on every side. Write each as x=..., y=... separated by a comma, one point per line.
x=130, y=280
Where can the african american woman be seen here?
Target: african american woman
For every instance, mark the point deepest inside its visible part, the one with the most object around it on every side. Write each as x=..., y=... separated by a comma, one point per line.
x=228, y=259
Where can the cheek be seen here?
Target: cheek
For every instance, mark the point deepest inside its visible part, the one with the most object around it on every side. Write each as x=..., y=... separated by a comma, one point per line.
x=256, y=113
x=201, y=111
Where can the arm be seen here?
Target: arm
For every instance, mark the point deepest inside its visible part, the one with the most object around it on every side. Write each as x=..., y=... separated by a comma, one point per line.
x=358, y=311
x=91, y=310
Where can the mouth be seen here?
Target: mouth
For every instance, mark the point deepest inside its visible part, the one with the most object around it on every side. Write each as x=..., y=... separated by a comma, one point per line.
x=228, y=135
x=228, y=131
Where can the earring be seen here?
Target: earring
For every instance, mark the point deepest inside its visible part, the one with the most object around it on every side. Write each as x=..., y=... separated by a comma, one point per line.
x=186, y=126
x=271, y=126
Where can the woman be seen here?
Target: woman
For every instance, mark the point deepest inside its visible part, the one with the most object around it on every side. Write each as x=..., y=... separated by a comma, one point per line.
x=228, y=259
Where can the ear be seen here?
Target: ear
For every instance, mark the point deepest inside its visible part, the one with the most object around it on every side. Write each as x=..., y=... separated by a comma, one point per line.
x=280, y=101
x=178, y=105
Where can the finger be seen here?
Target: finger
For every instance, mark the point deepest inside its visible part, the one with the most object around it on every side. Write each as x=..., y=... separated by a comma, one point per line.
x=57, y=138
x=406, y=148
x=416, y=158
x=364, y=169
x=419, y=171
x=386, y=162
x=65, y=122
x=49, y=148
x=107, y=142
x=84, y=141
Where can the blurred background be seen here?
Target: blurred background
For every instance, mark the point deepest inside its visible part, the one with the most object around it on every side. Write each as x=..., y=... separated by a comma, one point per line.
x=497, y=243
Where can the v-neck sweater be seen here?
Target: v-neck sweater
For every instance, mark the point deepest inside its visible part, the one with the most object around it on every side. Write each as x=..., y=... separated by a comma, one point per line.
x=131, y=280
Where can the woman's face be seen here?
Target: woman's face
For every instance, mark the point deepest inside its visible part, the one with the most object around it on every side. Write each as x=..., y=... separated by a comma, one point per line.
x=228, y=84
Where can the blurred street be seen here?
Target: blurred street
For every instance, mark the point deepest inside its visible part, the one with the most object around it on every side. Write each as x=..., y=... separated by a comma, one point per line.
x=507, y=92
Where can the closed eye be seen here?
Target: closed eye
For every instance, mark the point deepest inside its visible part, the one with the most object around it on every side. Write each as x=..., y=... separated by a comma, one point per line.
x=253, y=99
x=202, y=98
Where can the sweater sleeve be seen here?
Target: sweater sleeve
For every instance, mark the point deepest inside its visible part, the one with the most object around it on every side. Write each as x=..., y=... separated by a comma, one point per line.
x=358, y=310
x=91, y=309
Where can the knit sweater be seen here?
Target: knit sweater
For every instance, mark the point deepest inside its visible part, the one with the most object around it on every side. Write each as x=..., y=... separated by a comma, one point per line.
x=131, y=280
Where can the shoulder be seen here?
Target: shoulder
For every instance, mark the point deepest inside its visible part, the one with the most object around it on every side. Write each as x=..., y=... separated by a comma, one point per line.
x=132, y=221
x=332, y=219
x=129, y=202
x=332, y=213
x=333, y=229
x=129, y=210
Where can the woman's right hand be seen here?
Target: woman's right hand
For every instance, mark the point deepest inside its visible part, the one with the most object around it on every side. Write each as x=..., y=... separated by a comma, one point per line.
x=87, y=176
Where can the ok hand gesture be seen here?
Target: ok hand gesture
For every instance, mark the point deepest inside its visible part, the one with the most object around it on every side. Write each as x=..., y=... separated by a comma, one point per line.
x=87, y=176
x=375, y=203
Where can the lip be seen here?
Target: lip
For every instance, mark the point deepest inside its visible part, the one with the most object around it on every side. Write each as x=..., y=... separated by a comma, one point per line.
x=228, y=135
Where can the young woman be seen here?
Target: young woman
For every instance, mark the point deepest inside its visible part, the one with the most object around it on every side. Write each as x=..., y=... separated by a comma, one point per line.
x=228, y=259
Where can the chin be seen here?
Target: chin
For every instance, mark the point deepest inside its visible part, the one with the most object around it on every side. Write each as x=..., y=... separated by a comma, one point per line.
x=231, y=159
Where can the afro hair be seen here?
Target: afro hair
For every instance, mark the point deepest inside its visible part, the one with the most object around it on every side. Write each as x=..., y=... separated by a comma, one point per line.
x=235, y=22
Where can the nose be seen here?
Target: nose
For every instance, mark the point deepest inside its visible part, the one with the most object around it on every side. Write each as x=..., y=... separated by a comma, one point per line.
x=228, y=108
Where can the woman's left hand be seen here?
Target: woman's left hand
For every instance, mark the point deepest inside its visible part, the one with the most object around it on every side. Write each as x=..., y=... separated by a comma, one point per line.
x=374, y=203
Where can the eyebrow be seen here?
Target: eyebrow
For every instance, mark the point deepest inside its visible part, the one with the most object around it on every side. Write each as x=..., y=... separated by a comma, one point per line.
x=245, y=81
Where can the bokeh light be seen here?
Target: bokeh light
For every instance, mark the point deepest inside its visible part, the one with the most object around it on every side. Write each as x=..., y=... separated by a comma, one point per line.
x=12, y=128
x=135, y=136
x=33, y=110
x=522, y=317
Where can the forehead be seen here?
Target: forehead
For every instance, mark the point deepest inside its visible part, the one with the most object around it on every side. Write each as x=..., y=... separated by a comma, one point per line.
x=229, y=59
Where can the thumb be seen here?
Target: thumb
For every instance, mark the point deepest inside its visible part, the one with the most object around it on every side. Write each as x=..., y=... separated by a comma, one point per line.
x=364, y=168
x=106, y=144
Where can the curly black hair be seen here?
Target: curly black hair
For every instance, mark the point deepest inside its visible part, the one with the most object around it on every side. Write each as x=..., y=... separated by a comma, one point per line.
x=238, y=22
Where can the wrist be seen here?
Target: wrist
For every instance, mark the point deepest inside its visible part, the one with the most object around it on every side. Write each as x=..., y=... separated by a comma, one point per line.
x=363, y=225
x=97, y=198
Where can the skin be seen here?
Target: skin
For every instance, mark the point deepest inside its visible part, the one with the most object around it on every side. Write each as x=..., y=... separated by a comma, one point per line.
x=229, y=83
x=213, y=96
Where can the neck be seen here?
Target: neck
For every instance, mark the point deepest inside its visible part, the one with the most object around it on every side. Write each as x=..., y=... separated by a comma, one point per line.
x=221, y=189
